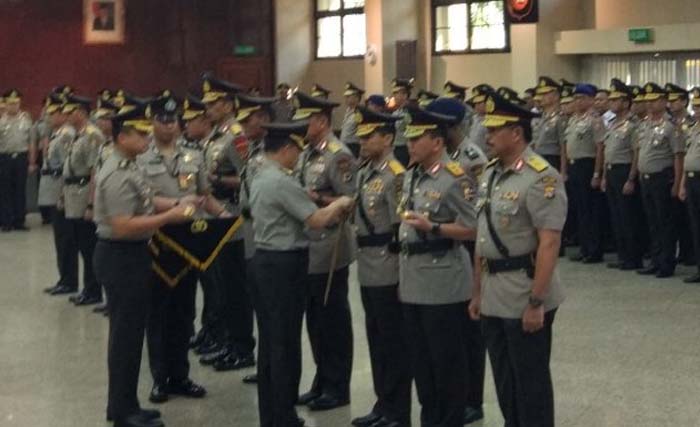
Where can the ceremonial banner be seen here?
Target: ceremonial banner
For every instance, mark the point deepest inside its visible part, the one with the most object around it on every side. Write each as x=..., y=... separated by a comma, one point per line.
x=176, y=249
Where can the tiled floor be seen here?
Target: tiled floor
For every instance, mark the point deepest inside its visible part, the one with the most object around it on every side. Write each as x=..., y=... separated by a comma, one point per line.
x=626, y=353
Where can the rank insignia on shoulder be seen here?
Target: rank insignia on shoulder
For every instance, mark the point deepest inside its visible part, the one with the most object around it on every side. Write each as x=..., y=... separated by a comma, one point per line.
x=334, y=147
x=454, y=168
x=396, y=167
x=548, y=191
x=537, y=163
x=235, y=129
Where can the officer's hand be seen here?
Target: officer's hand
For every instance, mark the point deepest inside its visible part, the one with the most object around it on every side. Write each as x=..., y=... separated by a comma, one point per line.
x=628, y=188
x=87, y=216
x=181, y=213
x=193, y=199
x=533, y=319
x=417, y=221
x=595, y=183
x=31, y=169
x=682, y=194
x=674, y=190
x=225, y=214
x=475, y=308
x=347, y=204
x=564, y=176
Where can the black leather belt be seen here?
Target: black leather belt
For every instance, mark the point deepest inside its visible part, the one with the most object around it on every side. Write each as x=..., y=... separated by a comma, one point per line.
x=610, y=166
x=77, y=180
x=51, y=172
x=374, y=240
x=428, y=246
x=692, y=174
x=522, y=262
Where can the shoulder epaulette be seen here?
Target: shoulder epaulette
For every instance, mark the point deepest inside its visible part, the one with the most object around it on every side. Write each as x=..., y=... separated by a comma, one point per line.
x=537, y=163
x=235, y=129
x=91, y=129
x=454, y=168
x=334, y=146
x=492, y=162
x=396, y=167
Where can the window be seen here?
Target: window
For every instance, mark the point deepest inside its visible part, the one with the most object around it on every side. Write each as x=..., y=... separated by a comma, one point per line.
x=470, y=26
x=340, y=28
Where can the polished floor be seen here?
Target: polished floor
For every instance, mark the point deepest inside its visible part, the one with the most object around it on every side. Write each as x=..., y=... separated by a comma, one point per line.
x=626, y=353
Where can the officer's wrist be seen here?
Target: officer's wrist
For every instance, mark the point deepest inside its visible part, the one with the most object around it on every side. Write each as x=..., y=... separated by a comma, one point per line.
x=90, y=206
x=596, y=175
x=435, y=228
x=535, y=301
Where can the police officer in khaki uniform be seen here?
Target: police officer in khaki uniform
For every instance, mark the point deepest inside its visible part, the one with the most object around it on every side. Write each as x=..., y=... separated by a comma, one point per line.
x=379, y=183
x=660, y=167
x=50, y=194
x=477, y=132
x=401, y=92
x=620, y=180
x=472, y=160
x=585, y=133
x=282, y=108
x=695, y=102
x=17, y=158
x=78, y=193
x=126, y=218
x=353, y=99
x=224, y=156
x=177, y=175
x=283, y=211
x=639, y=105
x=327, y=170
x=437, y=206
x=549, y=130
x=425, y=97
x=678, y=100
x=690, y=186
x=522, y=208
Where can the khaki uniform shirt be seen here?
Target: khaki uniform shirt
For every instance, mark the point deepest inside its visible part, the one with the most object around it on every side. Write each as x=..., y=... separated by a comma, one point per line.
x=470, y=157
x=619, y=142
x=691, y=161
x=525, y=198
x=51, y=182
x=379, y=189
x=400, y=139
x=181, y=175
x=328, y=169
x=583, y=132
x=80, y=162
x=16, y=133
x=445, y=194
x=348, y=133
x=549, y=133
x=121, y=189
x=478, y=133
x=658, y=143
x=280, y=206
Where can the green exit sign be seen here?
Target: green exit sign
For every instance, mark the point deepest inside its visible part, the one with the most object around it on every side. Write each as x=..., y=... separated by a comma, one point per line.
x=641, y=35
x=244, y=50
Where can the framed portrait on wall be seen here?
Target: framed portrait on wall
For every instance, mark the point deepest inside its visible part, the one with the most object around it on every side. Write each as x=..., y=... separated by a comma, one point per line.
x=103, y=21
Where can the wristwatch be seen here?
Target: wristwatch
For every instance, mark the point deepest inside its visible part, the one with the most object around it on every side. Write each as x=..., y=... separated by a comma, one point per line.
x=435, y=229
x=535, y=302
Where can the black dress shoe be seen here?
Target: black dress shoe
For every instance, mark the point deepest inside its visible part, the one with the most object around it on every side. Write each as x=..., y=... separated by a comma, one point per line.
x=211, y=358
x=326, y=402
x=614, y=265
x=384, y=422
x=367, y=420
x=307, y=397
x=101, y=308
x=592, y=260
x=187, y=388
x=250, y=379
x=63, y=290
x=208, y=348
x=233, y=362
x=84, y=300
x=51, y=289
x=149, y=414
x=663, y=274
x=159, y=393
x=695, y=278
x=577, y=257
x=138, y=420
x=652, y=269
x=75, y=298
x=472, y=415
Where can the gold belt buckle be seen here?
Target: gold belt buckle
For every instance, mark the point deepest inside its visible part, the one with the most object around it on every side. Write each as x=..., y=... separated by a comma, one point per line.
x=646, y=176
x=691, y=174
x=609, y=166
x=572, y=161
